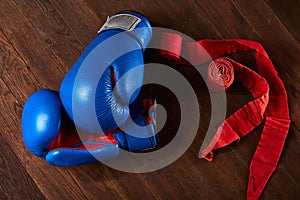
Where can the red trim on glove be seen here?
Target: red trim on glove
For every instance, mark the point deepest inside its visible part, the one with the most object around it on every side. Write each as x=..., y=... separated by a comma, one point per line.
x=69, y=138
x=147, y=103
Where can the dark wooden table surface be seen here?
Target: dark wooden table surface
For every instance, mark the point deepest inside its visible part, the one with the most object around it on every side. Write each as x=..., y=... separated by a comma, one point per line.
x=39, y=42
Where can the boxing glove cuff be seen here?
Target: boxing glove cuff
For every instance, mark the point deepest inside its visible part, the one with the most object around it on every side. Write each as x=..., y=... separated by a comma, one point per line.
x=143, y=115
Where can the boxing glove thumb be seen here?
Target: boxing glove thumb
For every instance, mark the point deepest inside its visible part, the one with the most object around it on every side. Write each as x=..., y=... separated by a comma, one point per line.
x=49, y=134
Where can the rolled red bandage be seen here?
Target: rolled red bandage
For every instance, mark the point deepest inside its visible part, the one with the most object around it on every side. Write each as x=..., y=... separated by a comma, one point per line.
x=220, y=75
x=170, y=47
x=247, y=117
x=270, y=103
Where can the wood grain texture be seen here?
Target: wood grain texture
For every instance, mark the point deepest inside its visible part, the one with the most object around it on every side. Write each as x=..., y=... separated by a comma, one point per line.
x=41, y=39
x=14, y=178
x=288, y=13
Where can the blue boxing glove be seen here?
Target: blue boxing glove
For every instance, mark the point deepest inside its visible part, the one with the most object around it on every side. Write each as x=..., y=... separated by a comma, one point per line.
x=48, y=132
x=91, y=93
x=94, y=101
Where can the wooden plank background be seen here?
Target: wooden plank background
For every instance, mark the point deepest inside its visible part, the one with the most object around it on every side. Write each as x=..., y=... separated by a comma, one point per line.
x=39, y=42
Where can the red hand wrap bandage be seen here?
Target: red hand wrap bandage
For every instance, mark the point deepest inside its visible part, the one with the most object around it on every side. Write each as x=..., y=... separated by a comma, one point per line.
x=246, y=118
x=270, y=103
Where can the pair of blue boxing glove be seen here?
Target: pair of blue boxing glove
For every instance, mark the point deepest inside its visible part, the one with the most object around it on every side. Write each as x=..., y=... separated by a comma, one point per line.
x=98, y=109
